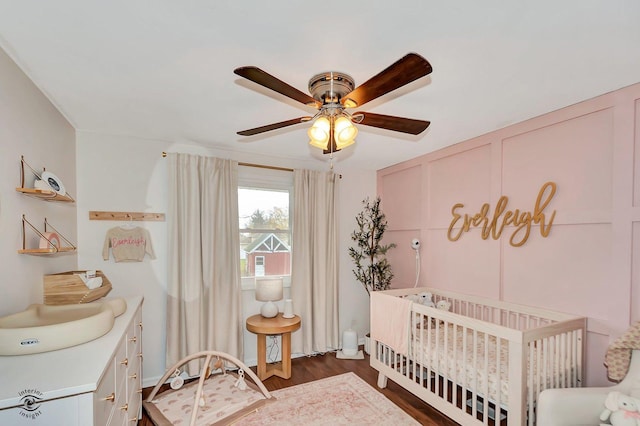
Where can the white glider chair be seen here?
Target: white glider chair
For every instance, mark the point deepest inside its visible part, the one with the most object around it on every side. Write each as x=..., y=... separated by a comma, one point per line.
x=583, y=406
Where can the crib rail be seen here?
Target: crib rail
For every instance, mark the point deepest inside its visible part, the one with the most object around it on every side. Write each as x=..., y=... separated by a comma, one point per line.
x=487, y=307
x=483, y=363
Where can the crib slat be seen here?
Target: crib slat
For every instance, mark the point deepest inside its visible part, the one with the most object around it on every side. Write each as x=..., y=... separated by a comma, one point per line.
x=465, y=352
x=531, y=382
x=498, y=361
x=437, y=357
x=429, y=345
x=485, y=373
x=474, y=397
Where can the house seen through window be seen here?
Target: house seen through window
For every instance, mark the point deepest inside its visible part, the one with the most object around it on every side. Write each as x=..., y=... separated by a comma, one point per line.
x=265, y=232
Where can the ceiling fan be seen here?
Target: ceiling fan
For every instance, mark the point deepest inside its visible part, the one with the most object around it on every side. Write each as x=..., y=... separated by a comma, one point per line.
x=332, y=93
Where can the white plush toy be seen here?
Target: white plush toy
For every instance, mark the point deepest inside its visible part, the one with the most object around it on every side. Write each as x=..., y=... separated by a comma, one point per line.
x=444, y=305
x=424, y=298
x=621, y=410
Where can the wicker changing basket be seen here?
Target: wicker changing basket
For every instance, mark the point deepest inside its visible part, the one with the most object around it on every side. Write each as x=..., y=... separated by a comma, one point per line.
x=67, y=288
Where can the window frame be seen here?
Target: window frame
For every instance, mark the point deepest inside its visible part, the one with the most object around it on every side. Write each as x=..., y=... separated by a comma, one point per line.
x=267, y=179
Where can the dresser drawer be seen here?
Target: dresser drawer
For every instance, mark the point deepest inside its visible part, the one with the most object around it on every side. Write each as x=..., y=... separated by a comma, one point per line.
x=104, y=398
x=135, y=405
x=121, y=407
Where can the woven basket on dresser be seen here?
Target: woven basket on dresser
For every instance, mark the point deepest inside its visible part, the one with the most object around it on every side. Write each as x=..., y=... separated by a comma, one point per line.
x=66, y=288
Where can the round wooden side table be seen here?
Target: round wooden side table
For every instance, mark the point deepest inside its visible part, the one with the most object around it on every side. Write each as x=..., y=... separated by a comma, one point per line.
x=263, y=327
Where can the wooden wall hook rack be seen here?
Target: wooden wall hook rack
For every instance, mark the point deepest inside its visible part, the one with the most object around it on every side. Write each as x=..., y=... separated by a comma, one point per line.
x=127, y=216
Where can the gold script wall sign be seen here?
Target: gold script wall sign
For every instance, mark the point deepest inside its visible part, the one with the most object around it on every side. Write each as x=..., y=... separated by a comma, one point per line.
x=502, y=217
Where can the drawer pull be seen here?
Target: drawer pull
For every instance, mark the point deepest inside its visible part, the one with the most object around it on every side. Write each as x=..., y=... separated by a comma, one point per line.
x=139, y=390
x=133, y=339
x=125, y=407
x=140, y=325
x=133, y=376
x=133, y=420
x=140, y=355
x=111, y=397
x=124, y=361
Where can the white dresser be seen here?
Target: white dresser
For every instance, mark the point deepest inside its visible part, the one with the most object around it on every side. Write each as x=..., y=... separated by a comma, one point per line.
x=97, y=383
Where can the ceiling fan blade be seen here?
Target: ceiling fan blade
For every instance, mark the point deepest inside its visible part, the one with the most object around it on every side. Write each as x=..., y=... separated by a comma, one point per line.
x=274, y=126
x=389, y=122
x=407, y=69
x=261, y=77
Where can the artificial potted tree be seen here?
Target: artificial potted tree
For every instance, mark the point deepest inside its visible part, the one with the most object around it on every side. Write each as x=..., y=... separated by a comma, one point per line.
x=372, y=269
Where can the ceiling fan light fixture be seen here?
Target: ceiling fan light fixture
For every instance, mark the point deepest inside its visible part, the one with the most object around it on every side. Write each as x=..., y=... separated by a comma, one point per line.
x=319, y=132
x=341, y=145
x=317, y=144
x=344, y=132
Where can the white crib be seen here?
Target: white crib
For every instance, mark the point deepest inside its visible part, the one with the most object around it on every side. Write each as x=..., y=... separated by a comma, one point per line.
x=483, y=360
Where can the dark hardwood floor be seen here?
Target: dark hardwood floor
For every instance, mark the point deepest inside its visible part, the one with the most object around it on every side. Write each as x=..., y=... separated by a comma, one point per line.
x=307, y=369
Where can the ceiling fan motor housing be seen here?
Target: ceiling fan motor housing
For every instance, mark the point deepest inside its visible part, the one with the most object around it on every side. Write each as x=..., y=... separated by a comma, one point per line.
x=331, y=86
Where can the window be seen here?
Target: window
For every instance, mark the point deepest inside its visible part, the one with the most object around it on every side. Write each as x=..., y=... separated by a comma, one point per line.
x=259, y=271
x=264, y=200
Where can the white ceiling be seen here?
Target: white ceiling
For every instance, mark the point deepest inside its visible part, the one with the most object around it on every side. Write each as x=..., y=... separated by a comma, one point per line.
x=163, y=69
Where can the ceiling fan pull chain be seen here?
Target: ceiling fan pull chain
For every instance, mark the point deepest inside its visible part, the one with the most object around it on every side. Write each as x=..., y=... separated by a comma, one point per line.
x=331, y=141
x=331, y=87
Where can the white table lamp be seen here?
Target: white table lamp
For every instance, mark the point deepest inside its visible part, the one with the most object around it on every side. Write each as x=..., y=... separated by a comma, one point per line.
x=269, y=290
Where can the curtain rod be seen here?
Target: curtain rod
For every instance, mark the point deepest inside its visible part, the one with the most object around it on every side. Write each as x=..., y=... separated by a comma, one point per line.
x=260, y=166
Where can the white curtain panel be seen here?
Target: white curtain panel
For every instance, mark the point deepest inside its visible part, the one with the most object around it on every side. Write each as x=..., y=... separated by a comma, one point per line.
x=314, y=260
x=203, y=289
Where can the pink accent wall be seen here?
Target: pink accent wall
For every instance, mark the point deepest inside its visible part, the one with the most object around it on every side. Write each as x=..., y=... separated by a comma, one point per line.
x=590, y=262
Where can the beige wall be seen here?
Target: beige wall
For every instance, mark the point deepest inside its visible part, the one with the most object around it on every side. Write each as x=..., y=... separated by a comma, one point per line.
x=585, y=266
x=31, y=126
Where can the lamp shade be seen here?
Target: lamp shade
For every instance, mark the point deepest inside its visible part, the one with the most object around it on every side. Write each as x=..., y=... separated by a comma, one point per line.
x=345, y=132
x=319, y=132
x=268, y=289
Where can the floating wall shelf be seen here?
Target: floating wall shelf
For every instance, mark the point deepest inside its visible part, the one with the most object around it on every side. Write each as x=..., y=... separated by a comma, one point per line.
x=52, y=247
x=43, y=194
x=46, y=195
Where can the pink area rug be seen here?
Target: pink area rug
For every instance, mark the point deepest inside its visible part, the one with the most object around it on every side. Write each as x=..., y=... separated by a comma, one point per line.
x=339, y=400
